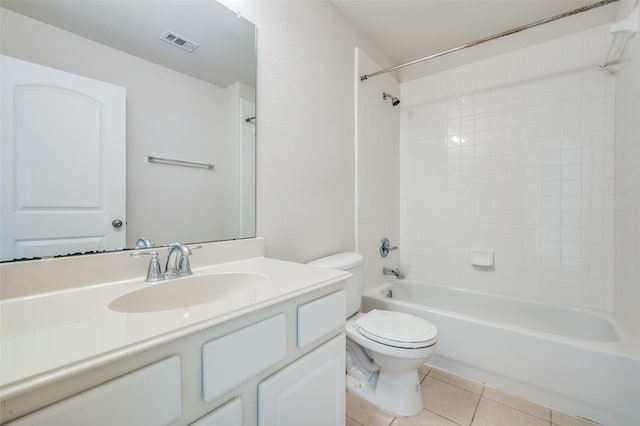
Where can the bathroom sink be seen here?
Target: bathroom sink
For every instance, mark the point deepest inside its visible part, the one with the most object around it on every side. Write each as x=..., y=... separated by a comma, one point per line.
x=189, y=291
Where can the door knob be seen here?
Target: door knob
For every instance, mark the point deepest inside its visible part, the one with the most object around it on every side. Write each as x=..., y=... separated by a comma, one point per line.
x=116, y=223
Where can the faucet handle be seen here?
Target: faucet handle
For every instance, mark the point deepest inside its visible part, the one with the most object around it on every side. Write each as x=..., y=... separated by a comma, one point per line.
x=154, y=273
x=386, y=247
x=184, y=266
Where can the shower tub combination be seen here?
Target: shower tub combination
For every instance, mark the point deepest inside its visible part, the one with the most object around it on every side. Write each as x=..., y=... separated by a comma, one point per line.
x=576, y=361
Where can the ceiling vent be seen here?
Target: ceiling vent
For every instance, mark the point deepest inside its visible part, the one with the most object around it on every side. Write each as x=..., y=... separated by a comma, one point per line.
x=179, y=41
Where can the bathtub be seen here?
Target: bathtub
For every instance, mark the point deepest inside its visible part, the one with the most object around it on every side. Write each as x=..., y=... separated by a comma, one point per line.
x=576, y=361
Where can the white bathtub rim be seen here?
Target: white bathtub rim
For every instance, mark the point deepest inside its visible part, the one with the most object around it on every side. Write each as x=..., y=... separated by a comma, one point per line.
x=626, y=346
x=606, y=315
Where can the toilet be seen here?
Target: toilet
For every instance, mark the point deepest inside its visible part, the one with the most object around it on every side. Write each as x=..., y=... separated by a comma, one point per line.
x=384, y=348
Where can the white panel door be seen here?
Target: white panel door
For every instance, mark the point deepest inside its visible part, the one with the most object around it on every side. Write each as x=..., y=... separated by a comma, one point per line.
x=310, y=391
x=62, y=162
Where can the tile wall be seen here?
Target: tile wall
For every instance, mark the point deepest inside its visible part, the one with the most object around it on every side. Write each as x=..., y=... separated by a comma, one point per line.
x=513, y=154
x=627, y=203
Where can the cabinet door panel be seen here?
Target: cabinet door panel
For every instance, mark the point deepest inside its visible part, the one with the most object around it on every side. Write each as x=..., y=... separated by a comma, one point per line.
x=318, y=318
x=227, y=415
x=149, y=396
x=310, y=391
x=230, y=360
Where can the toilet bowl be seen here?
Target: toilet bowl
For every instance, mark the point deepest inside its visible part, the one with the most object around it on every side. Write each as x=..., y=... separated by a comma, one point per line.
x=384, y=348
x=398, y=344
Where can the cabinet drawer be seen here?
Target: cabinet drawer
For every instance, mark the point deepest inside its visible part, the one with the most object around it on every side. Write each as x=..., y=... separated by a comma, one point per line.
x=149, y=396
x=319, y=317
x=234, y=358
x=227, y=415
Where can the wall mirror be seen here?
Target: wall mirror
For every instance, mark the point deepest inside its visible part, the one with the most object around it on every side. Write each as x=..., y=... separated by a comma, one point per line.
x=125, y=121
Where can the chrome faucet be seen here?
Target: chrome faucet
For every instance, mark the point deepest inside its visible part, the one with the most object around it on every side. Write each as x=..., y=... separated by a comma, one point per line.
x=142, y=242
x=396, y=272
x=180, y=267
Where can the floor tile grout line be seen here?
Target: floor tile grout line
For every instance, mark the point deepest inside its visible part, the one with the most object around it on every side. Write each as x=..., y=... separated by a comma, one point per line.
x=480, y=395
x=457, y=387
x=455, y=375
x=477, y=405
x=440, y=415
x=461, y=388
x=393, y=420
x=550, y=419
x=354, y=420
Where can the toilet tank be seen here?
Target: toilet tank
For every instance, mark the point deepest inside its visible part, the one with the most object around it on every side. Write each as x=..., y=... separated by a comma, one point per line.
x=350, y=262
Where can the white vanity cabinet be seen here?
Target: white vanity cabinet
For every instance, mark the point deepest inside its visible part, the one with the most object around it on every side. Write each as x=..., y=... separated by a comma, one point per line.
x=280, y=365
x=311, y=390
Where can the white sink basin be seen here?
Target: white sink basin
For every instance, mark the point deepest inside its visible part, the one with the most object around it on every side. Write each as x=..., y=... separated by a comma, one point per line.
x=189, y=291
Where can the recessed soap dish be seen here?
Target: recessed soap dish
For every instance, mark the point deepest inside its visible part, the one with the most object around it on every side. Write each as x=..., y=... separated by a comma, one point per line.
x=482, y=258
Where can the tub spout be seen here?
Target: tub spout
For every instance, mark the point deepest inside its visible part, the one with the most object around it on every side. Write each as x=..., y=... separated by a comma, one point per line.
x=396, y=272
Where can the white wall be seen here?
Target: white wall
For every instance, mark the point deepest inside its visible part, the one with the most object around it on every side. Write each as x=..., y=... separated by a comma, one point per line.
x=627, y=206
x=377, y=169
x=513, y=154
x=169, y=114
x=305, y=127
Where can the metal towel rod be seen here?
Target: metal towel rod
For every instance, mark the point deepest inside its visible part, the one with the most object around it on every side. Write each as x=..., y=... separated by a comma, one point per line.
x=171, y=162
x=493, y=37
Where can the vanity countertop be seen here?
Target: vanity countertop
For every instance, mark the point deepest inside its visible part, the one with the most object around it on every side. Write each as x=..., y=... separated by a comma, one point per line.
x=51, y=336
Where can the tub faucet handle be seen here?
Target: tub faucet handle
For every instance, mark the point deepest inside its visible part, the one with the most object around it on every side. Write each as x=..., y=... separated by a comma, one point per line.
x=386, y=247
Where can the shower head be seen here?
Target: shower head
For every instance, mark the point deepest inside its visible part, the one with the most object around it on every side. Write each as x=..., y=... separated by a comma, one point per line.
x=394, y=101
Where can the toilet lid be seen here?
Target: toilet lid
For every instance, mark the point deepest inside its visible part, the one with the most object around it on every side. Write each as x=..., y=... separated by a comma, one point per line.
x=397, y=329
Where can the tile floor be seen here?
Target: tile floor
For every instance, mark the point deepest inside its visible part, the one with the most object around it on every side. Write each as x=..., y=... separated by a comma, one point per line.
x=451, y=400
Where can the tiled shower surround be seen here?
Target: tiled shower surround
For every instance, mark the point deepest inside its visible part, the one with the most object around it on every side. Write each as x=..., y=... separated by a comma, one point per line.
x=627, y=156
x=514, y=154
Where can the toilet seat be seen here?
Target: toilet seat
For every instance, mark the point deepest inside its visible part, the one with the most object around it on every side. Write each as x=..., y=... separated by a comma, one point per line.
x=397, y=329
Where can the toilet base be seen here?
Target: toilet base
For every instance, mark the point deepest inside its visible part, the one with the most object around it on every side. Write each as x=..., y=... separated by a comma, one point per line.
x=396, y=392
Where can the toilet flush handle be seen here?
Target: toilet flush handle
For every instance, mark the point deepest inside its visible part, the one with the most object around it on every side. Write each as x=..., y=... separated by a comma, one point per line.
x=386, y=247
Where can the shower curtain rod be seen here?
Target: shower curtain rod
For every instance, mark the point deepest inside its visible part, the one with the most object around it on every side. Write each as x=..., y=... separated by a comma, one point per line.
x=493, y=37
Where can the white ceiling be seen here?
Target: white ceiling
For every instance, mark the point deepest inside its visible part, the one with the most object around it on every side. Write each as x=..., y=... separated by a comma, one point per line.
x=407, y=30
x=403, y=30
x=227, y=43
